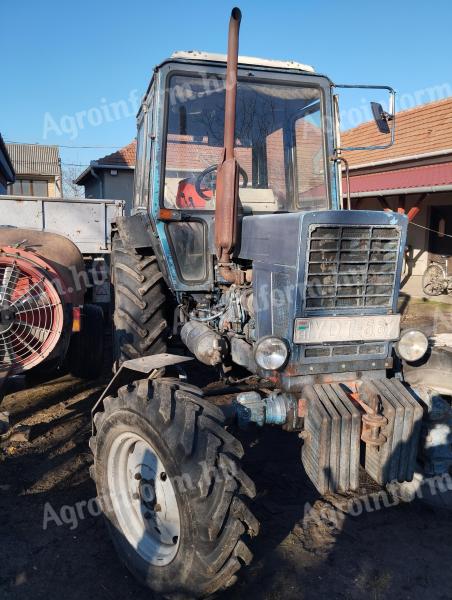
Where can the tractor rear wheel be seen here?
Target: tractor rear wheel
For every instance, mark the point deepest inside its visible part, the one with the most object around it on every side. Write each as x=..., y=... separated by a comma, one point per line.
x=170, y=485
x=140, y=326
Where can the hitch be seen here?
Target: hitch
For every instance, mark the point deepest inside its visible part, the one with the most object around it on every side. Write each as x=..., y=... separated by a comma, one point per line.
x=372, y=419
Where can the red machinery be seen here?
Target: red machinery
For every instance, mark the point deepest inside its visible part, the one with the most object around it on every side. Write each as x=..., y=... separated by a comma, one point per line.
x=43, y=318
x=31, y=309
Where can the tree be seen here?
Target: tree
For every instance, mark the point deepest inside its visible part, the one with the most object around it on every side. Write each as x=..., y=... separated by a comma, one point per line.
x=71, y=189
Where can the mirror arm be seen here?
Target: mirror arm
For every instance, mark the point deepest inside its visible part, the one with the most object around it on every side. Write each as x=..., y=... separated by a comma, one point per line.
x=340, y=159
x=390, y=117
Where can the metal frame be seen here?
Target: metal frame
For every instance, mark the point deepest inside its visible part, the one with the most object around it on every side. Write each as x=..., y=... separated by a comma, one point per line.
x=392, y=94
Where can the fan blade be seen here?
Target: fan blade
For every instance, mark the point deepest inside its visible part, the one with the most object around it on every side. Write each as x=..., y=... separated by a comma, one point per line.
x=6, y=350
x=25, y=343
x=35, y=309
x=9, y=279
x=28, y=296
x=39, y=333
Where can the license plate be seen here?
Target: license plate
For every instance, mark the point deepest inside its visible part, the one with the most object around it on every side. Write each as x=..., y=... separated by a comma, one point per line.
x=320, y=330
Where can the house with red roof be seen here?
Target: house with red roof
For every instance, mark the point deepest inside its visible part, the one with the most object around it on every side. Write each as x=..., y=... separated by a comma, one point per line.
x=414, y=176
x=111, y=177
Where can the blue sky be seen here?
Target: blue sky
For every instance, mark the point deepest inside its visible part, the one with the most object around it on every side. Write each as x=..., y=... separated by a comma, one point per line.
x=62, y=58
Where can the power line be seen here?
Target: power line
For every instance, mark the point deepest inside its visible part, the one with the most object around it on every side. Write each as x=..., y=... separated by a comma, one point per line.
x=438, y=233
x=59, y=145
x=52, y=164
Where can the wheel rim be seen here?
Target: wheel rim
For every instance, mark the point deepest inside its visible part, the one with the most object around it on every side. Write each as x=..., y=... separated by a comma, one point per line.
x=143, y=499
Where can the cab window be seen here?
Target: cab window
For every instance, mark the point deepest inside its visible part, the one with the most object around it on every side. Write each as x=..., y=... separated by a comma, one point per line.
x=279, y=145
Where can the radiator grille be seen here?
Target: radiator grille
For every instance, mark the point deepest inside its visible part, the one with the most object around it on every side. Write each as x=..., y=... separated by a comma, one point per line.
x=346, y=350
x=351, y=266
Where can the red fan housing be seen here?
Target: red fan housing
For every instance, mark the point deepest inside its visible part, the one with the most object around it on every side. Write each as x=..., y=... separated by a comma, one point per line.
x=31, y=309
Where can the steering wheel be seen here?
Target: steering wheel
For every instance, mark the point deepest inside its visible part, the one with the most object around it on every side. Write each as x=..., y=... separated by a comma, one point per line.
x=210, y=170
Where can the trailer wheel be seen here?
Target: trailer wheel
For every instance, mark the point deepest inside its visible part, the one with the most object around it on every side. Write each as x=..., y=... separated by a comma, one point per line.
x=170, y=485
x=86, y=350
x=140, y=326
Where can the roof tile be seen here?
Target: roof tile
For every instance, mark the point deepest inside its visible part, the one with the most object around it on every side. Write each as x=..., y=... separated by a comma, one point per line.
x=419, y=130
x=124, y=157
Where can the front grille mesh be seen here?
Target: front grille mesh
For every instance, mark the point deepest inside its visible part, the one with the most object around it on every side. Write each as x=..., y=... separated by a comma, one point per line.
x=346, y=350
x=351, y=266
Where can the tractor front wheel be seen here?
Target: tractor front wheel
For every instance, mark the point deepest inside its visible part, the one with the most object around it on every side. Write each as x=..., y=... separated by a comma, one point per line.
x=171, y=488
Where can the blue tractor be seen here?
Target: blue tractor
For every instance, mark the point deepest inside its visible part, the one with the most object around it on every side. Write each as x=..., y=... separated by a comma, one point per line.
x=241, y=254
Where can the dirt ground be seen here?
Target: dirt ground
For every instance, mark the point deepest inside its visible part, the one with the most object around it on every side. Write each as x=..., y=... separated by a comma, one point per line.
x=403, y=551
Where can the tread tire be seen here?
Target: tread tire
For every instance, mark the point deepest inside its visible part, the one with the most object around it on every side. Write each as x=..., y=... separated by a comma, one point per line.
x=203, y=462
x=140, y=325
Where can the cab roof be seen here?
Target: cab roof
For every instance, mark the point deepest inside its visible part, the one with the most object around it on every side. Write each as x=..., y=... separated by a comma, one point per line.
x=243, y=60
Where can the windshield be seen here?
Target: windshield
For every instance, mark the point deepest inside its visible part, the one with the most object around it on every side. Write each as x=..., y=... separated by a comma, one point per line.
x=279, y=145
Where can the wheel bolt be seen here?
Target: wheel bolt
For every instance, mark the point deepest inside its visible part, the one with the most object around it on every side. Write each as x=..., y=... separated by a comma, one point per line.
x=135, y=496
x=157, y=508
x=175, y=539
x=163, y=476
x=138, y=476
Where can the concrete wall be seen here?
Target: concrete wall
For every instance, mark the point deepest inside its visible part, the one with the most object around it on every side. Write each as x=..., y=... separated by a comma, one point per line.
x=418, y=238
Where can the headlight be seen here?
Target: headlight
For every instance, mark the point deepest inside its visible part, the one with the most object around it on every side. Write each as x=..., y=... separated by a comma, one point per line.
x=271, y=353
x=412, y=346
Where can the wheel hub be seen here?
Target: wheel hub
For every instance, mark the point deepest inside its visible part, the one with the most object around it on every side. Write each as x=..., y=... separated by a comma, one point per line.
x=147, y=493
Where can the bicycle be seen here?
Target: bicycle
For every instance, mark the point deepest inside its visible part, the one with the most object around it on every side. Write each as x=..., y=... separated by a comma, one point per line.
x=435, y=281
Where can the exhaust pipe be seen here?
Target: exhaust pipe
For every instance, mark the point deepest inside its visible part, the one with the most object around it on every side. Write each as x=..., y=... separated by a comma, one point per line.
x=231, y=83
x=227, y=192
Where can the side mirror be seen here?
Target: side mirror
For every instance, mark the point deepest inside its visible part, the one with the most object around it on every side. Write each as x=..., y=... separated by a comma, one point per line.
x=381, y=117
x=385, y=121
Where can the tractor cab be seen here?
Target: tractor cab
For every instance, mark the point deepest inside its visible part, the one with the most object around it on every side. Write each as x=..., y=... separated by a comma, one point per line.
x=284, y=139
x=280, y=137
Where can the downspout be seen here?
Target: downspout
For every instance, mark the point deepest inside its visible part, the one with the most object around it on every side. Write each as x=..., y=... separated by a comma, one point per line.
x=61, y=177
x=99, y=179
